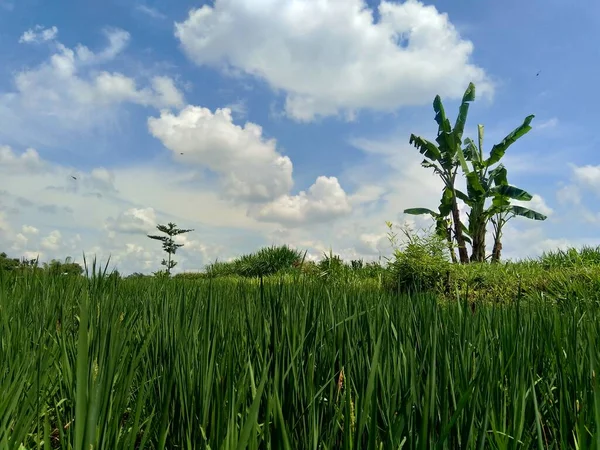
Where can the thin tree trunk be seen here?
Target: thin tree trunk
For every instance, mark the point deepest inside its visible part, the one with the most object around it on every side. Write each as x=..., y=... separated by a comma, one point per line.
x=497, y=250
x=460, y=240
x=450, y=247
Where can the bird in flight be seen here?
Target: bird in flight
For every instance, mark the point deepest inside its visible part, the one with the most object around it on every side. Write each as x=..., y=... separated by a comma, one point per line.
x=73, y=177
x=538, y=74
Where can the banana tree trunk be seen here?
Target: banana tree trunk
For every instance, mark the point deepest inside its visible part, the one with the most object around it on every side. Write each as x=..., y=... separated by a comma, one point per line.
x=497, y=251
x=478, y=253
x=478, y=228
x=460, y=240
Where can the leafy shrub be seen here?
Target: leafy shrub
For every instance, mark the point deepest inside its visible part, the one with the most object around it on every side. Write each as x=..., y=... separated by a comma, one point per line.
x=267, y=261
x=221, y=269
x=420, y=267
x=586, y=256
x=331, y=265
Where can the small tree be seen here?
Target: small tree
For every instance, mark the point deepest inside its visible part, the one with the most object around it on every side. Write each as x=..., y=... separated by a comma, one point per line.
x=57, y=267
x=443, y=159
x=7, y=263
x=168, y=242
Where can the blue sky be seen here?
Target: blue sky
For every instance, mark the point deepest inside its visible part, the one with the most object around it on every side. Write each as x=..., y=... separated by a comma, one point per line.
x=261, y=122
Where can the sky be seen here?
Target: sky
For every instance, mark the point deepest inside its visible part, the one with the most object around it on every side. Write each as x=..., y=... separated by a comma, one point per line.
x=268, y=122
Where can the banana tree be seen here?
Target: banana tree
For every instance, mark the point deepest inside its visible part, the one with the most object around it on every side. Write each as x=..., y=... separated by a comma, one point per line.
x=443, y=158
x=443, y=224
x=483, y=184
x=502, y=211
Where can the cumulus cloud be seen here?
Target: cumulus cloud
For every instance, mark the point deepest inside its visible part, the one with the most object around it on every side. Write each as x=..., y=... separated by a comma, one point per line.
x=28, y=229
x=588, y=176
x=331, y=57
x=117, y=41
x=52, y=241
x=248, y=164
x=20, y=240
x=28, y=161
x=70, y=92
x=133, y=221
x=324, y=201
x=373, y=243
x=38, y=34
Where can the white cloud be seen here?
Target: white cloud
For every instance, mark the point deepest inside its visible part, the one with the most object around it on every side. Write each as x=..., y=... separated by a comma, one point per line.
x=330, y=57
x=38, y=34
x=366, y=193
x=149, y=11
x=249, y=166
x=117, y=41
x=568, y=195
x=133, y=220
x=69, y=93
x=324, y=201
x=537, y=203
x=588, y=176
x=53, y=241
x=28, y=161
x=28, y=229
x=239, y=107
x=20, y=240
x=102, y=179
x=373, y=244
x=550, y=123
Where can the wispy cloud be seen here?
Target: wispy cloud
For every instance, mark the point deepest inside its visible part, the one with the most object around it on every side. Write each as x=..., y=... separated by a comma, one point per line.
x=8, y=5
x=152, y=12
x=239, y=107
x=38, y=34
x=550, y=123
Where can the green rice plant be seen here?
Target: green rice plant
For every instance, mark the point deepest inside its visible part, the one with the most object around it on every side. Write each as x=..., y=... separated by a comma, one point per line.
x=571, y=257
x=289, y=361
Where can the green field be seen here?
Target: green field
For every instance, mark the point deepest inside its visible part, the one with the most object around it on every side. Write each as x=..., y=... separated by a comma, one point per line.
x=298, y=362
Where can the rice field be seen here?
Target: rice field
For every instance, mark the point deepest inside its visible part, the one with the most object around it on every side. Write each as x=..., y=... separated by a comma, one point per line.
x=101, y=363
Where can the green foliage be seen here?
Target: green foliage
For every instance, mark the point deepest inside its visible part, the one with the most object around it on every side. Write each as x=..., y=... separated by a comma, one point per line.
x=331, y=265
x=585, y=257
x=56, y=267
x=484, y=182
x=249, y=364
x=168, y=243
x=444, y=159
x=266, y=261
x=7, y=263
x=420, y=266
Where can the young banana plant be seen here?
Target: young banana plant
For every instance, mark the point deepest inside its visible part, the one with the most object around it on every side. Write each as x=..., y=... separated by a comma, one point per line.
x=487, y=182
x=442, y=158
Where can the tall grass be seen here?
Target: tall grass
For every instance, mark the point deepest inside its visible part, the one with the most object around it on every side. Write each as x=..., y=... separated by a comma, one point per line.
x=104, y=363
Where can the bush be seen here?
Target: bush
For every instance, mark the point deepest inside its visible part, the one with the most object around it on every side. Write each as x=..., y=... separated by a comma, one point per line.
x=572, y=257
x=421, y=266
x=267, y=261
